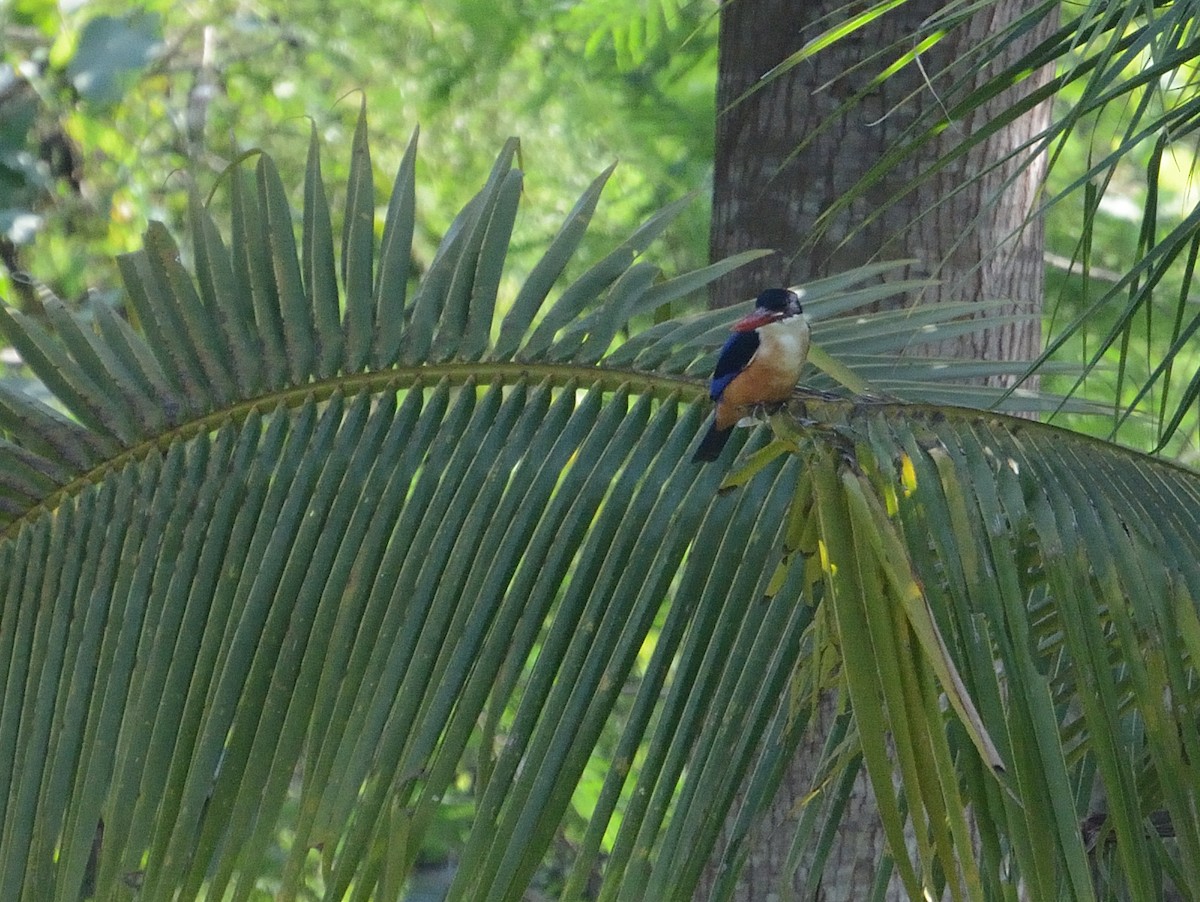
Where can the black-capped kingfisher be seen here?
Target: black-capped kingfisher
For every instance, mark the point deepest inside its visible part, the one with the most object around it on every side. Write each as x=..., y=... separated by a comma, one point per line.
x=759, y=364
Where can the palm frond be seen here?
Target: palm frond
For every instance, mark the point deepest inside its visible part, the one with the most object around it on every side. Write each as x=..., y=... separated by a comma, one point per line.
x=1121, y=74
x=317, y=557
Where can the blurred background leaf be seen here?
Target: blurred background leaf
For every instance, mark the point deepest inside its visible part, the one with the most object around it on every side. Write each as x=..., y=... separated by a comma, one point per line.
x=110, y=53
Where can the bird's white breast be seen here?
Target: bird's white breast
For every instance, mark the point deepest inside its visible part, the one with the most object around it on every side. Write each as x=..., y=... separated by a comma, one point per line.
x=785, y=343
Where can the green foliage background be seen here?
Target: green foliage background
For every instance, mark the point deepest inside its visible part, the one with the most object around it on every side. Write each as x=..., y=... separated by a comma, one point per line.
x=100, y=131
x=470, y=73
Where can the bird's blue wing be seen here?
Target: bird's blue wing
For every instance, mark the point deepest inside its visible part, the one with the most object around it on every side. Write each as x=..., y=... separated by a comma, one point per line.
x=736, y=353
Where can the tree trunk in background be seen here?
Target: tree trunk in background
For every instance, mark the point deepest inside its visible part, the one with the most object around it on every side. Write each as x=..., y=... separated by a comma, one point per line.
x=763, y=196
x=979, y=247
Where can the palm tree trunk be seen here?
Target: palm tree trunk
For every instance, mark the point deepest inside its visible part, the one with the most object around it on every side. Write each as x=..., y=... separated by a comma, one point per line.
x=972, y=225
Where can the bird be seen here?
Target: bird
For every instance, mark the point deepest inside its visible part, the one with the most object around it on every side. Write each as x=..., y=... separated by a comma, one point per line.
x=759, y=364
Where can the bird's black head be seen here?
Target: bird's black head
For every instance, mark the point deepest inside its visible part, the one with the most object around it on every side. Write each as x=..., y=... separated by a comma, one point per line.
x=779, y=300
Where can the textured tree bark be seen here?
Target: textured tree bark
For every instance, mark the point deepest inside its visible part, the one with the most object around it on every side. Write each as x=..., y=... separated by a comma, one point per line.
x=982, y=241
x=979, y=239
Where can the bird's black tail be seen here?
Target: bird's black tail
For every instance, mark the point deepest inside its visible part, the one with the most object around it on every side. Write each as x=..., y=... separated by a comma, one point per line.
x=710, y=448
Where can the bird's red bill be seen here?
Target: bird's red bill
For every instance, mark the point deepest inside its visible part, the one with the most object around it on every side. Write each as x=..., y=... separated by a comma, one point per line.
x=758, y=318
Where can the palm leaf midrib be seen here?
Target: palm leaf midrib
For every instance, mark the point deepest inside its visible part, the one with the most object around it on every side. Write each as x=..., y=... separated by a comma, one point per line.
x=399, y=378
